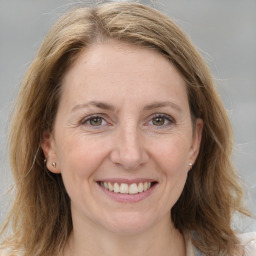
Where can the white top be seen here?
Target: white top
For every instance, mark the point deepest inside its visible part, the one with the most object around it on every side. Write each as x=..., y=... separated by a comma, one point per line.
x=248, y=240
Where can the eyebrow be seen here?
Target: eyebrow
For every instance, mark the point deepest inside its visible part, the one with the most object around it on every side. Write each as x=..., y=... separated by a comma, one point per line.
x=106, y=106
x=97, y=104
x=162, y=104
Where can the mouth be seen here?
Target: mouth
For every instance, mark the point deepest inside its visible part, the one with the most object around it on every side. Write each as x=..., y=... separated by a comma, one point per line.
x=126, y=188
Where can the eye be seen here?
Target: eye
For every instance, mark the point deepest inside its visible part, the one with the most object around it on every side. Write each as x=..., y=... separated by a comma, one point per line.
x=161, y=120
x=94, y=121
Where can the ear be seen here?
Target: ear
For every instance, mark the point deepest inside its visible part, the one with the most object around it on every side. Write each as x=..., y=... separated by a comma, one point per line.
x=48, y=146
x=196, y=141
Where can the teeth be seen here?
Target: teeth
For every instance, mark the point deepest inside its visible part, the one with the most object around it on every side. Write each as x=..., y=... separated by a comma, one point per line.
x=133, y=189
x=124, y=188
x=116, y=188
x=105, y=185
x=110, y=187
x=140, y=187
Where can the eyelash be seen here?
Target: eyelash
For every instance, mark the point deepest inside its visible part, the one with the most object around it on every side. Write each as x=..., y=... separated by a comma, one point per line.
x=90, y=118
x=167, y=118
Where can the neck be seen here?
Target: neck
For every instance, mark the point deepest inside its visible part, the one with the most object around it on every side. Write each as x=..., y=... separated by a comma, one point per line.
x=162, y=240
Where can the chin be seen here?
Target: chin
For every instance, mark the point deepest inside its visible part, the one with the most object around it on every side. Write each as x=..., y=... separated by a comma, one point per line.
x=129, y=223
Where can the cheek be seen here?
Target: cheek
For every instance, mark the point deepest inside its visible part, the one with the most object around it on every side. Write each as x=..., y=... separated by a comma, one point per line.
x=79, y=157
x=79, y=160
x=172, y=160
x=172, y=155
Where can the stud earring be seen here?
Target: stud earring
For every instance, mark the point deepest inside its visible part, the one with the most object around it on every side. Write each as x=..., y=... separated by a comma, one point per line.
x=45, y=161
x=54, y=164
x=190, y=165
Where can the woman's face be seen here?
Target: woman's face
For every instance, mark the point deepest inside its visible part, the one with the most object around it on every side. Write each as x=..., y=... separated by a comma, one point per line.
x=122, y=138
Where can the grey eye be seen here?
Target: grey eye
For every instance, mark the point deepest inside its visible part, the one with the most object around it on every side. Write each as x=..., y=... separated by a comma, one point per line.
x=159, y=120
x=95, y=121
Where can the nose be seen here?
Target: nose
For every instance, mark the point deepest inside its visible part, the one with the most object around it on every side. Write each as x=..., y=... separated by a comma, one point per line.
x=129, y=149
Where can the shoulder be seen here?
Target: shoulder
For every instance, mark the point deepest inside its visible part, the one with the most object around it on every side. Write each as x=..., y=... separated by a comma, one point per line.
x=248, y=241
x=8, y=253
x=3, y=253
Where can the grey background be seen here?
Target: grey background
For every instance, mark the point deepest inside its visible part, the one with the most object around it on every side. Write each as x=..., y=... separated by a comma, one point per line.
x=223, y=31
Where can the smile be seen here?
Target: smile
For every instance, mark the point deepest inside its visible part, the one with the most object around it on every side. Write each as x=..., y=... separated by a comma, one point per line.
x=124, y=188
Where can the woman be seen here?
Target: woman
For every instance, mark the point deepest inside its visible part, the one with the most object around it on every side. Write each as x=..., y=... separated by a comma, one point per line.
x=120, y=145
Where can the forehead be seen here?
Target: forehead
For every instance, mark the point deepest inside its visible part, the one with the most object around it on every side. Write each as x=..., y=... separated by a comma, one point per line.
x=106, y=69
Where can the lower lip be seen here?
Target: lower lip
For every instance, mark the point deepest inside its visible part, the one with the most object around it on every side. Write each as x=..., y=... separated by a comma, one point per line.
x=128, y=198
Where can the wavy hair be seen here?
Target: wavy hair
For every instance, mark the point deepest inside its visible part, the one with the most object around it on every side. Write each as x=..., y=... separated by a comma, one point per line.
x=40, y=217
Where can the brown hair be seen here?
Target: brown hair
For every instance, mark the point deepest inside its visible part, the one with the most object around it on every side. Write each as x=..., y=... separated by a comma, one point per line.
x=40, y=215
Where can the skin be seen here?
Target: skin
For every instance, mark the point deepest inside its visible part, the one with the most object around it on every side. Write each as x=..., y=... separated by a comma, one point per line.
x=126, y=140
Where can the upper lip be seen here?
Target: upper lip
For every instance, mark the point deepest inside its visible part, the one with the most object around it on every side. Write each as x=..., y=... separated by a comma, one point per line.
x=127, y=181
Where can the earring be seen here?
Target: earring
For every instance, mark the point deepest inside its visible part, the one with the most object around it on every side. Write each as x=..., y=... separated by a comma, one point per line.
x=45, y=161
x=54, y=164
x=190, y=165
